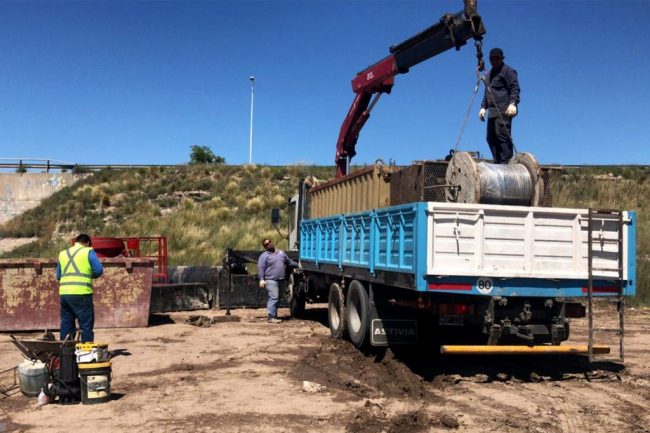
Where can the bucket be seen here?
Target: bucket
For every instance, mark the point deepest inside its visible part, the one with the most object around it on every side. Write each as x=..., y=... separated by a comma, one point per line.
x=91, y=352
x=95, y=382
x=32, y=376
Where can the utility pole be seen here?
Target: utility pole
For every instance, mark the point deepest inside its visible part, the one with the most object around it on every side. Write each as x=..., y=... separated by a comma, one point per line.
x=250, y=159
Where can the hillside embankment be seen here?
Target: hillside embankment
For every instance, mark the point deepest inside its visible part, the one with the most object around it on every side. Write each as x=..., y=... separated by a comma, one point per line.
x=204, y=209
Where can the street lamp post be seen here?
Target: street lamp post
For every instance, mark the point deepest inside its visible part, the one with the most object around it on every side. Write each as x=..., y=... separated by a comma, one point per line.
x=250, y=159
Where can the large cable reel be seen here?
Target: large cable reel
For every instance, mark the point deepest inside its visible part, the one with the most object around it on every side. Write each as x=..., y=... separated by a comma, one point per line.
x=517, y=183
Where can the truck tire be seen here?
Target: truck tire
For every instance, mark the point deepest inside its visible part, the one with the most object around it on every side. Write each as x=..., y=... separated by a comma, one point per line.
x=296, y=297
x=336, y=312
x=358, y=314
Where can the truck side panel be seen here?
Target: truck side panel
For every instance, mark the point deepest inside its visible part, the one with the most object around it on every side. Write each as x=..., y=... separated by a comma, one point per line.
x=389, y=239
x=524, y=242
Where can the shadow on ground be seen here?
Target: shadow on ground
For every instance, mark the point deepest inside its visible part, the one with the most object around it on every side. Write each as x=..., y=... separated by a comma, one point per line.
x=426, y=361
x=160, y=319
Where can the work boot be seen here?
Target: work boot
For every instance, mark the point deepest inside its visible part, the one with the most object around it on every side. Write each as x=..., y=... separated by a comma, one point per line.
x=274, y=320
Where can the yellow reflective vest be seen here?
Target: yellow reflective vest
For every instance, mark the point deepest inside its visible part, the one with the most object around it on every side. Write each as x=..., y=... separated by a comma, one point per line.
x=76, y=272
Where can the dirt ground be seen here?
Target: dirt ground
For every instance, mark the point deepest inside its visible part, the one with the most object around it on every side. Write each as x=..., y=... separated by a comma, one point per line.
x=245, y=375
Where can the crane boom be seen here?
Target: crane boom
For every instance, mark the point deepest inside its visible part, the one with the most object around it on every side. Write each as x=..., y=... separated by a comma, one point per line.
x=452, y=31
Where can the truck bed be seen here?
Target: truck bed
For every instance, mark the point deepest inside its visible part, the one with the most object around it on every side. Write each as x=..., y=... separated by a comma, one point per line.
x=478, y=249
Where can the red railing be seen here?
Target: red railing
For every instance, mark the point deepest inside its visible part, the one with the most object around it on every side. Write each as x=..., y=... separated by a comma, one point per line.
x=134, y=246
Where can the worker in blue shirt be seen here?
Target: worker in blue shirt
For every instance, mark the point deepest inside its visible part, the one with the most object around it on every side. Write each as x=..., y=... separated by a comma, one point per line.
x=501, y=107
x=75, y=271
x=272, y=274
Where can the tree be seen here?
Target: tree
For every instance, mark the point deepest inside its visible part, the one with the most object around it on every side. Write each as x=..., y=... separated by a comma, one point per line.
x=204, y=155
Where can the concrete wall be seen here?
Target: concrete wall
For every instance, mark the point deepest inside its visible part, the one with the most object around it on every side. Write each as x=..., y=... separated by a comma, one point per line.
x=22, y=191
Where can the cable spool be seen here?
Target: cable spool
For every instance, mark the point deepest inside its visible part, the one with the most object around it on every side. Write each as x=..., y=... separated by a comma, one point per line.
x=517, y=183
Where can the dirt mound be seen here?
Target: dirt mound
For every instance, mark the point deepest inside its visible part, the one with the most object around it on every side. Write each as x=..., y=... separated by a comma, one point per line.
x=339, y=365
x=410, y=422
x=373, y=419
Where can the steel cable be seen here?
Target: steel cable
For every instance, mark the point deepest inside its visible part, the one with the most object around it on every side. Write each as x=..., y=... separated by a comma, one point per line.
x=505, y=184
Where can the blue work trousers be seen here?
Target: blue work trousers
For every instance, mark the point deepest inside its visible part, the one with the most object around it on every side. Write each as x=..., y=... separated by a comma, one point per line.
x=498, y=139
x=79, y=307
x=276, y=290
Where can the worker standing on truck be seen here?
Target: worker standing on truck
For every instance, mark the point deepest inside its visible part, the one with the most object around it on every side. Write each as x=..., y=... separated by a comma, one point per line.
x=272, y=274
x=76, y=269
x=501, y=106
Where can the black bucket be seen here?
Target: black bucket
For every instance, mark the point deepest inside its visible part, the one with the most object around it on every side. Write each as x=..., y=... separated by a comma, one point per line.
x=95, y=382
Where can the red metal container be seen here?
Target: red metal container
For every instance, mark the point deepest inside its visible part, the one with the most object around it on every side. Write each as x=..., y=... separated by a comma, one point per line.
x=108, y=247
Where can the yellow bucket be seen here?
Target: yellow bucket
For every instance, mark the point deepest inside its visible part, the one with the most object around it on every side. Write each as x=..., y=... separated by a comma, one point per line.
x=95, y=382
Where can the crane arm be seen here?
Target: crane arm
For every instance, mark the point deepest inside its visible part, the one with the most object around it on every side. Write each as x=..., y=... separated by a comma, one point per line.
x=452, y=31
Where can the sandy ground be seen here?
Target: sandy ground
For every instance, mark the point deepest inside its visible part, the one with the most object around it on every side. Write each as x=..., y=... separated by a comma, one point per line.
x=246, y=376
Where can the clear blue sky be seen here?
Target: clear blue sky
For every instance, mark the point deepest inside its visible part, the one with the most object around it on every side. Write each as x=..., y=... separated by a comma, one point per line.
x=140, y=82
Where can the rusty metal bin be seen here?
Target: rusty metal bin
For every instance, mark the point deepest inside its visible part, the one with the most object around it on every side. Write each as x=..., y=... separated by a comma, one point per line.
x=29, y=294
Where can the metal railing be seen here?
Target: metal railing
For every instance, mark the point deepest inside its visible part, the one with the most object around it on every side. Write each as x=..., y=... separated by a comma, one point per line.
x=24, y=164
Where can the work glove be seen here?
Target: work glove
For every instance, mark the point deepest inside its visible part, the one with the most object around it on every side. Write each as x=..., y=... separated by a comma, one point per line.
x=262, y=284
x=481, y=114
x=511, y=111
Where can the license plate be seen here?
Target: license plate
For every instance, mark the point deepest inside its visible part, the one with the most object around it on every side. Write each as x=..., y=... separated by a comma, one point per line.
x=451, y=321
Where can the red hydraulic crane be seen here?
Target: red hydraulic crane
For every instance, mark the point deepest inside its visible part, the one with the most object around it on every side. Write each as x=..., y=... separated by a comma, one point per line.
x=452, y=31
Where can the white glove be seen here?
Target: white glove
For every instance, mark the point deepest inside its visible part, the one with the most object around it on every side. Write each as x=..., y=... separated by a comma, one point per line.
x=262, y=284
x=511, y=111
x=481, y=114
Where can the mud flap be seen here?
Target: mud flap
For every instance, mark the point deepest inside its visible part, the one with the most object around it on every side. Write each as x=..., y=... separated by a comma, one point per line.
x=391, y=332
x=390, y=325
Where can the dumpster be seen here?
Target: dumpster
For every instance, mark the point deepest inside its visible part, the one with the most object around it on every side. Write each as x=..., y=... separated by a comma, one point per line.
x=29, y=294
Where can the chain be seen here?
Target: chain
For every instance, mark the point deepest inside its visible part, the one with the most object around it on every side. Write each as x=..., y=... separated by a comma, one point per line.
x=479, y=55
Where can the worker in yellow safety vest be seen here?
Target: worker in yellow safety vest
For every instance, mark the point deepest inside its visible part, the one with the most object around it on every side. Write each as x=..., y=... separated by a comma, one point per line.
x=76, y=269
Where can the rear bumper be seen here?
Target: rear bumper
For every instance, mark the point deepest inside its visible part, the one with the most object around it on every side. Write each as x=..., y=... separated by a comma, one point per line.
x=522, y=350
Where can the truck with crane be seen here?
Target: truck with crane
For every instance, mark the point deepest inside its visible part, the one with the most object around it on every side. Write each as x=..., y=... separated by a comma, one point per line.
x=403, y=254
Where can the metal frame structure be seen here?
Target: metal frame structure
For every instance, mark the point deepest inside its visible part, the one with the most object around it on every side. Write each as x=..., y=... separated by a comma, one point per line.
x=620, y=300
x=133, y=245
x=133, y=249
x=5, y=389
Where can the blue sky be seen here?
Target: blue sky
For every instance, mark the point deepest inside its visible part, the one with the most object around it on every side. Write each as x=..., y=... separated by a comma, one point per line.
x=140, y=82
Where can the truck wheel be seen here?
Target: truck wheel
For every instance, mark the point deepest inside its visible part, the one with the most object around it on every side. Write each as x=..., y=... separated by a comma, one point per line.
x=358, y=314
x=295, y=297
x=336, y=311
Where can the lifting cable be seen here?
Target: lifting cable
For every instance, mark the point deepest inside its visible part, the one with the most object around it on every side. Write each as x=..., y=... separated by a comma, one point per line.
x=481, y=67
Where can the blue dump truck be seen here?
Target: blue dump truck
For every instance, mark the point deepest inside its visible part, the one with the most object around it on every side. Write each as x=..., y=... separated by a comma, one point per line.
x=510, y=277
x=460, y=246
